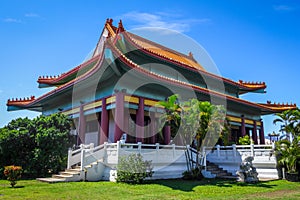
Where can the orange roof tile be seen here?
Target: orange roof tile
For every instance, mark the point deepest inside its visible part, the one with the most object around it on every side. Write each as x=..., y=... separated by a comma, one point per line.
x=165, y=52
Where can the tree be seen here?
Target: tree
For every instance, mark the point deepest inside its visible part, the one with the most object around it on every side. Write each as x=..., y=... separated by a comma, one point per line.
x=52, y=139
x=290, y=120
x=39, y=145
x=172, y=113
x=17, y=144
x=289, y=154
x=198, y=120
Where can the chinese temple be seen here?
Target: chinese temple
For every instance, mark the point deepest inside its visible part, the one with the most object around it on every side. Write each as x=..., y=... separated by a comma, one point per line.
x=115, y=92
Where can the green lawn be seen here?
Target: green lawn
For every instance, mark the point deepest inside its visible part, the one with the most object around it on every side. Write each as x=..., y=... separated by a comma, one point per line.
x=163, y=189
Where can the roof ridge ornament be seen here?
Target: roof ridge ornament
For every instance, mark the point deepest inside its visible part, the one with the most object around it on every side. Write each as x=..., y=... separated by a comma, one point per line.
x=120, y=27
x=109, y=21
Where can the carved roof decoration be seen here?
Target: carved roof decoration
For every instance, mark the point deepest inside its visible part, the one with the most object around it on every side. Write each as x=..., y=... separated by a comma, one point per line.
x=253, y=84
x=280, y=106
x=18, y=101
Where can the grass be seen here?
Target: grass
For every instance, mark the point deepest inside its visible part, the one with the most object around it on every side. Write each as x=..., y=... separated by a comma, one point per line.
x=161, y=189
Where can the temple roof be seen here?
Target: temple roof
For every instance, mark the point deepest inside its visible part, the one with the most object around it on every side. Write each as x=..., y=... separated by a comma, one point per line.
x=89, y=67
x=170, y=55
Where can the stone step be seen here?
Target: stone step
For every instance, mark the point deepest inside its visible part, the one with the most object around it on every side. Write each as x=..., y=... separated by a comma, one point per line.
x=59, y=176
x=73, y=170
x=51, y=180
x=220, y=172
x=68, y=173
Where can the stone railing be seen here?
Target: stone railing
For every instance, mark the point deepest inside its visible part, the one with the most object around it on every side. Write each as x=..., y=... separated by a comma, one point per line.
x=230, y=158
x=239, y=152
x=110, y=153
x=85, y=155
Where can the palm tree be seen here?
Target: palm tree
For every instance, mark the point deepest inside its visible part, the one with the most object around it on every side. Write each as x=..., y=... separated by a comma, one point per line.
x=289, y=154
x=290, y=120
x=172, y=113
x=195, y=119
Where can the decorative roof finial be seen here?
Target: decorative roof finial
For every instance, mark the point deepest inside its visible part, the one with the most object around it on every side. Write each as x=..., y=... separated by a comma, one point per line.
x=120, y=27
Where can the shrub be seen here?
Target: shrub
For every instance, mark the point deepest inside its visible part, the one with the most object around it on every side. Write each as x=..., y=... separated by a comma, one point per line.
x=245, y=140
x=13, y=173
x=132, y=169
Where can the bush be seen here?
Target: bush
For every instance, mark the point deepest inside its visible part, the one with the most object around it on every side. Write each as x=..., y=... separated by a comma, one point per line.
x=13, y=173
x=245, y=140
x=132, y=169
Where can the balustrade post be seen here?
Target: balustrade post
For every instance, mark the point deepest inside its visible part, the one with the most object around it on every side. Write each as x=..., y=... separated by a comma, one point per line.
x=140, y=147
x=252, y=149
x=273, y=145
x=69, y=158
x=82, y=158
x=234, y=150
x=118, y=149
x=218, y=151
x=92, y=146
x=173, y=147
x=157, y=146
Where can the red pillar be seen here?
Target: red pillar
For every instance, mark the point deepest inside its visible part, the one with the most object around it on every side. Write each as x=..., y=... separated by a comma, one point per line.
x=126, y=122
x=104, y=123
x=152, y=128
x=261, y=133
x=81, y=124
x=167, y=134
x=243, y=127
x=119, y=116
x=140, y=118
x=254, y=133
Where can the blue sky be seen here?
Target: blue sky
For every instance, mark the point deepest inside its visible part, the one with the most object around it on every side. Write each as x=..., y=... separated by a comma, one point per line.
x=248, y=40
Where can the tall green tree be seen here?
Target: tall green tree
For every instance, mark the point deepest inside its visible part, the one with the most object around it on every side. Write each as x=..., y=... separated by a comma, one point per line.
x=39, y=145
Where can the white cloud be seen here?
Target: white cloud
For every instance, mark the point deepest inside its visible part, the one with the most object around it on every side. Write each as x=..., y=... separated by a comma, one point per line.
x=162, y=20
x=31, y=15
x=12, y=20
x=282, y=8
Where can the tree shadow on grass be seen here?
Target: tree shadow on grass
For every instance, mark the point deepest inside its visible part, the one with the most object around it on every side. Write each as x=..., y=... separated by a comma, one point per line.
x=189, y=185
x=18, y=186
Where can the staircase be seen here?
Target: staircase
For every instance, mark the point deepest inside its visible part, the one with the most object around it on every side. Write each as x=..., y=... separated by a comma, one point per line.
x=86, y=163
x=65, y=176
x=219, y=172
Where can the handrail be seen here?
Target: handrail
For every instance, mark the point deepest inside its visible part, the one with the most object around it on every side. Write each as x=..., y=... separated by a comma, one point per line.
x=235, y=150
x=89, y=151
